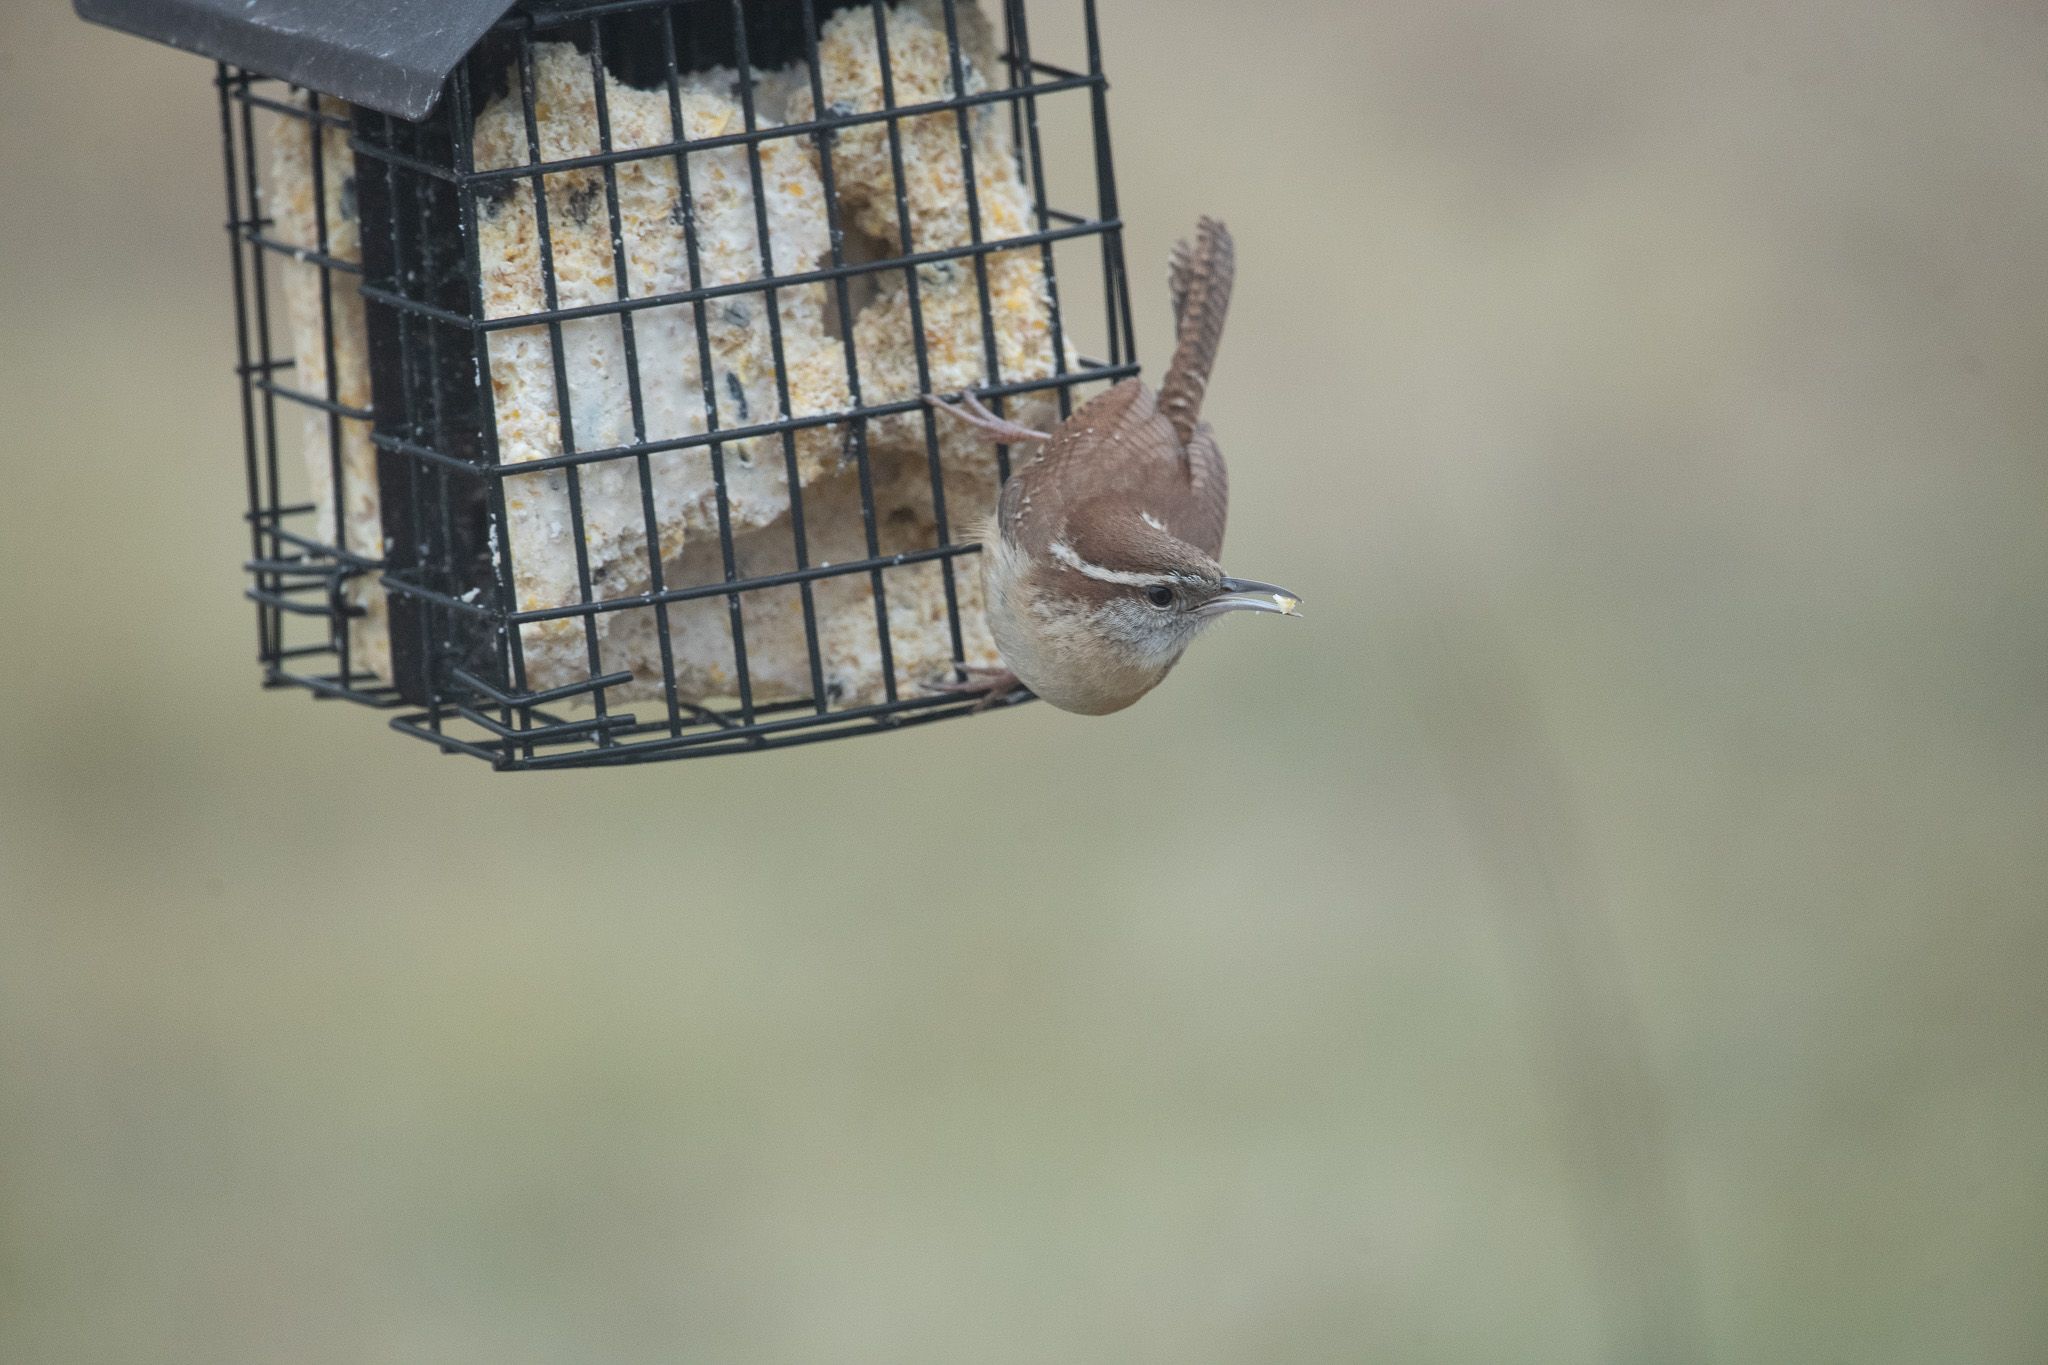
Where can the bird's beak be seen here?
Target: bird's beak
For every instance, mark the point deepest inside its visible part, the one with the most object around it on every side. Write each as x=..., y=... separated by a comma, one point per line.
x=1248, y=594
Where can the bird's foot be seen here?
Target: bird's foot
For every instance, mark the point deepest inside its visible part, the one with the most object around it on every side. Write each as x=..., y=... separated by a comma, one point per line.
x=992, y=683
x=971, y=411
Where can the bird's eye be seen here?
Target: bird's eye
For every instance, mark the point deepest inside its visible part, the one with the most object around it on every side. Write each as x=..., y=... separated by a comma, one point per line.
x=1161, y=596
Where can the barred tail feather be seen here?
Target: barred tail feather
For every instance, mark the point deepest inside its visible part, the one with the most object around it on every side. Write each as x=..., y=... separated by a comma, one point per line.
x=1199, y=279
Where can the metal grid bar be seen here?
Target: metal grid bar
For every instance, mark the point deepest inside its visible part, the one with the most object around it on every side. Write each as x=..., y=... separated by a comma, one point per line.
x=266, y=642
x=764, y=240
x=1062, y=80
x=650, y=521
x=992, y=370
x=707, y=386
x=564, y=415
x=1077, y=227
x=910, y=266
x=331, y=404
x=1116, y=302
x=504, y=581
x=842, y=298
x=1017, y=26
x=1089, y=370
x=697, y=592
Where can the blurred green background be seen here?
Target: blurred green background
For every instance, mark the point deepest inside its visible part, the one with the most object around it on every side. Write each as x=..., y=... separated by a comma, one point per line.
x=1611, y=927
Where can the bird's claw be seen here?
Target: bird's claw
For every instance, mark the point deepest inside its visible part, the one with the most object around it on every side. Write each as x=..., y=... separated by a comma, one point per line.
x=972, y=411
x=993, y=684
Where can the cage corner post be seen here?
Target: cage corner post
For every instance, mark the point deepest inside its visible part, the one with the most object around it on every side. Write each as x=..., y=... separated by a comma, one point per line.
x=427, y=413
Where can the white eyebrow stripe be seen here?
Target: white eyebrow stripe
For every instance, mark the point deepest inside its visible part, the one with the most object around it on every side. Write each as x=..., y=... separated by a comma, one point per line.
x=1064, y=553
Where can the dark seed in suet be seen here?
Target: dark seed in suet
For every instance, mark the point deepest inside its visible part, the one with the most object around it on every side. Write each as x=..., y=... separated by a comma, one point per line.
x=581, y=201
x=491, y=196
x=837, y=109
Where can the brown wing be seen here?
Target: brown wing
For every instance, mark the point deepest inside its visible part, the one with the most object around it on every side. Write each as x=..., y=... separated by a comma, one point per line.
x=1120, y=443
x=1208, y=494
x=1199, y=279
x=1106, y=444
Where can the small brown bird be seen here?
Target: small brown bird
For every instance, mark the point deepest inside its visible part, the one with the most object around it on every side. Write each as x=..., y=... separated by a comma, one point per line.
x=1099, y=566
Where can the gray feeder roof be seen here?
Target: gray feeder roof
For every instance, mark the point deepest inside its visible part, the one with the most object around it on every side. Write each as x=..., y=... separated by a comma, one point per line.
x=391, y=55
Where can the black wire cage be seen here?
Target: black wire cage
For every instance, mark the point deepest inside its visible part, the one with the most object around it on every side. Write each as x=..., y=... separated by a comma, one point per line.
x=604, y=330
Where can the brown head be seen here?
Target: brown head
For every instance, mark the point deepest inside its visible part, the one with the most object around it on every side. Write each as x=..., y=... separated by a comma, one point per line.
x=1116, y=599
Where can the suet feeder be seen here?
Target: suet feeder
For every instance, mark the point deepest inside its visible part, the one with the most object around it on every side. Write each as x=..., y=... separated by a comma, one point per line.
x=584, y=349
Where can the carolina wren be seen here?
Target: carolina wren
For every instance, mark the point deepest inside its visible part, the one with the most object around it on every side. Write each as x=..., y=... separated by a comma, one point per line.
x=1099, y=565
